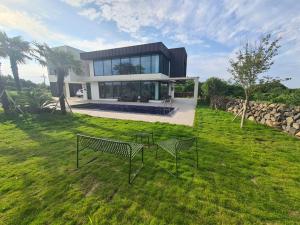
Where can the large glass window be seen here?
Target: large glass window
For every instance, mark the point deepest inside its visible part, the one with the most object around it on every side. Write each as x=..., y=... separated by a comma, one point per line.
x=101, y=89
x=115, y=65
x=125, y=66
x=135, y=65
x=117, y=89
x=147, y=90
x=109, y=93
x=98, y=68
x=146, y=64
x=163, y=90
x=107, y=67
x=155, y=64
x=131, y=89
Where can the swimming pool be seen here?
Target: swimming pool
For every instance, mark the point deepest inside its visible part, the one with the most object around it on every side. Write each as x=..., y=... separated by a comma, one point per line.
x=156, y=110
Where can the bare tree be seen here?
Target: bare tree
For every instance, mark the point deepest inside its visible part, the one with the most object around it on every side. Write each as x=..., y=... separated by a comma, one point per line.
x=251, y=61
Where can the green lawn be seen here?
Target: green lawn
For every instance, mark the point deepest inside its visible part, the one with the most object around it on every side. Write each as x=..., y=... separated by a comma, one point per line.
x=249, y=176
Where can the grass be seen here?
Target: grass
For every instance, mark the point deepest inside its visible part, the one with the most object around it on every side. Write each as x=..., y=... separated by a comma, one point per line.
x=249, y=176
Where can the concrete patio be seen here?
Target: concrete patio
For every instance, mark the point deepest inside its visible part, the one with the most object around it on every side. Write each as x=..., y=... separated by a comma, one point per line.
x=184, y=111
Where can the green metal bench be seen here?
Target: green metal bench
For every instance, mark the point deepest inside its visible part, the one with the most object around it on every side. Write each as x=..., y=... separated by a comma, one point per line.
x=175, y=145
x=123, y=149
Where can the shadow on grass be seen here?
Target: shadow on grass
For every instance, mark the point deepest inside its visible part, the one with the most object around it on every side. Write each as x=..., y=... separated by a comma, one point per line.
x=44, y=161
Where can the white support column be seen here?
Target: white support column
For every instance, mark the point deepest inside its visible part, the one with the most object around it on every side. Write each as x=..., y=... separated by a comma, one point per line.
x=84, y=91
x=67, y=90
x=156, y=90
x=172, y=90
x=95, y=90
x=196, y=86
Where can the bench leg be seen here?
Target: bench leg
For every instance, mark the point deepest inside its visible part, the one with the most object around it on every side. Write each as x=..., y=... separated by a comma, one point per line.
x=131, y=179
x=152, y=139
x=197, y=157
x=148, y=142
x=176, y=163
x=77, y=154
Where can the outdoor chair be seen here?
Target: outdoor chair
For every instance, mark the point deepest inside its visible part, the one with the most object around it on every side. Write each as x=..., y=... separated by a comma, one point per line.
x=167, y=101
x=175, y=146
x=122, y=149
x=144, y=99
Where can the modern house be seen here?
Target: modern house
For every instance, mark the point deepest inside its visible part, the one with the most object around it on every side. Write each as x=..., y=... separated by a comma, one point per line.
x=144, y=72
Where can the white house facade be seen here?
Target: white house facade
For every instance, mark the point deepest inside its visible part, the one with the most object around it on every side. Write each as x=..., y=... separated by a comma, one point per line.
x=145, y=73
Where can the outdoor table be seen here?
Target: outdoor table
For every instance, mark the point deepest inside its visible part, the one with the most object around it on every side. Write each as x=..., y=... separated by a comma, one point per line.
x=142, y=135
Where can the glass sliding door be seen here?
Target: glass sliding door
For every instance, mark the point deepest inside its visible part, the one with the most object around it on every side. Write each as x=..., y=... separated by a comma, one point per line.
x=163, y=90
x=101, y=89
x=131, y=89
x=109, y=90
x=117, y=88
x=88, y=89
x=147, y=90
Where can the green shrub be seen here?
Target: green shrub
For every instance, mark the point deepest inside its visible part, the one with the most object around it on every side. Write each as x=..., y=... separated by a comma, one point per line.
x=33, y=101
x=214, y=86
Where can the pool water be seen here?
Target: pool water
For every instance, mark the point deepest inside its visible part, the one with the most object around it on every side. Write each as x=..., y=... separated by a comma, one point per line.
x=127, y=108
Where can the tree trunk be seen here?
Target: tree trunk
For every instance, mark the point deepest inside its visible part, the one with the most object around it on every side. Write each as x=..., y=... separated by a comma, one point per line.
x=244, y=111
x=60, y=87
x=4, y=98
x=15, y=72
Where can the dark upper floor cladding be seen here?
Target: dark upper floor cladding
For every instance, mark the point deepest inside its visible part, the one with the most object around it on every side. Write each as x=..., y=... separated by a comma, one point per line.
x=177, y=56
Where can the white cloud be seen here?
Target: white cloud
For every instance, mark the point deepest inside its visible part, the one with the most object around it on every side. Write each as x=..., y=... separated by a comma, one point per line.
x=13, y=19
x=226, y=24
x=77, y=3
x=35, y=28
x=208, y=65
x=90, y=13
x=183, y=38
x=29, y=71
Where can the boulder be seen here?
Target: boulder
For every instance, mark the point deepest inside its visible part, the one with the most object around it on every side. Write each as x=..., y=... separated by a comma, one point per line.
x=298, y=134
x=292, y=130
x=289, y=120
x=288, y=114
x=269, y=123
x=297, y=116
x=251, y=118
x=267, y=116
x=276, y=124
x=296, y=126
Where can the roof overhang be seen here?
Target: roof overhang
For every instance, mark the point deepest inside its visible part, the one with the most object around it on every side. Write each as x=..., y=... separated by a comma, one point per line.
x=150, y=48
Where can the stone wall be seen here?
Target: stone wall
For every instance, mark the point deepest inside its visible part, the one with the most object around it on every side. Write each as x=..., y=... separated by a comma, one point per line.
x=286, y=118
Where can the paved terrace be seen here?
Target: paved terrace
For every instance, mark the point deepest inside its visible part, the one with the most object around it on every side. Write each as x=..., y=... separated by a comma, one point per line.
x=184, y=114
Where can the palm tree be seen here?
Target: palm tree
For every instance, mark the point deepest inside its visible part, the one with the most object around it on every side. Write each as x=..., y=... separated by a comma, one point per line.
x=3, y=96
x=62, y=61
x=17, y=51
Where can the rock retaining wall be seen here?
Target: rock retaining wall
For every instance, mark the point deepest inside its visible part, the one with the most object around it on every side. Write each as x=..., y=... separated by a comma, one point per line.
x=286, y=118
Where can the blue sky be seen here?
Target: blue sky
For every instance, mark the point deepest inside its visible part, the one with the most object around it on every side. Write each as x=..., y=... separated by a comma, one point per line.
x=211, y=31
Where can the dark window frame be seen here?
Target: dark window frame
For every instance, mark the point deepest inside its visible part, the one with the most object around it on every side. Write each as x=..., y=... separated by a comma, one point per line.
x=163, y=64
